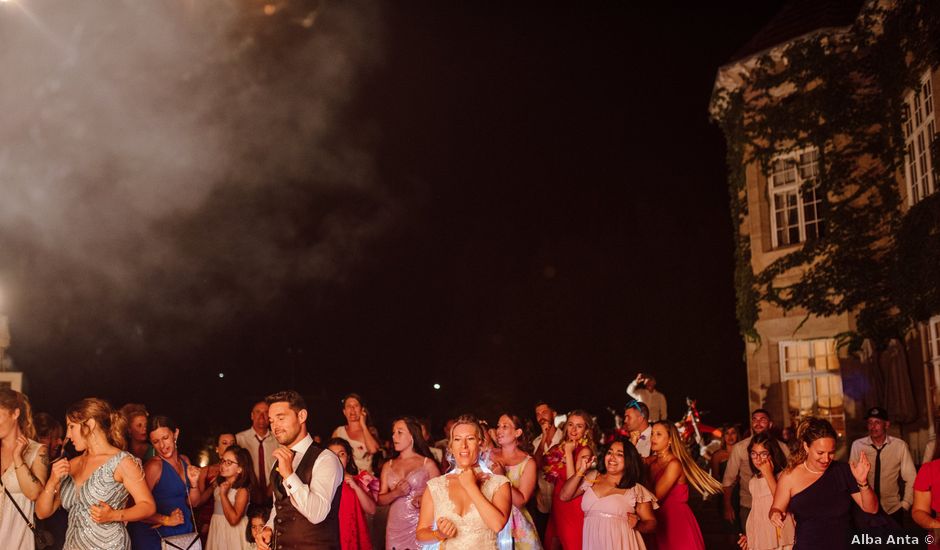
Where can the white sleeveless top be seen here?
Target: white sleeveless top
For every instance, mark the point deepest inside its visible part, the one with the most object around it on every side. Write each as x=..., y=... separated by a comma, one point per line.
x=14, y=532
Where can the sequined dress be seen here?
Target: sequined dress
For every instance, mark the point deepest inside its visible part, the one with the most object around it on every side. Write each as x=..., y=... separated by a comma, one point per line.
x=472, y=532
x=404, y=511
x=83, y=533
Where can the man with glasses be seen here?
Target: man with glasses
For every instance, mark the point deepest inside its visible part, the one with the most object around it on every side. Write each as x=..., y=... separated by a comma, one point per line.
x=636, y=420
x=739, y=469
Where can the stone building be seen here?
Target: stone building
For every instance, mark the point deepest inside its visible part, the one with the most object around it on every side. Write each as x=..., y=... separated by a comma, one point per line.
x=797, y=362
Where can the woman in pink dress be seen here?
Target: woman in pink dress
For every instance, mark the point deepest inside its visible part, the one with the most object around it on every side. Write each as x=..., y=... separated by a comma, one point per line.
x=566, y=522
x=404, y=479
x=616, y=507
x=672, y=470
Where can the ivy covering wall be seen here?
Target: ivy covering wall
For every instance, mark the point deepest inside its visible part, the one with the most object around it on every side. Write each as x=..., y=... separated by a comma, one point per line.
x=843, y=93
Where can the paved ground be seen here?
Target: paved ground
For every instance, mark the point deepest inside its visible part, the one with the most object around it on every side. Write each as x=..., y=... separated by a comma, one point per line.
x=714, y=530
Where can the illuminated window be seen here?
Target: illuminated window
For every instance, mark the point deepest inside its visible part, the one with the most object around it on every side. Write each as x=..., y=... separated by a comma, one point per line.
x=919, y=130
x=810, y=372
x=794, y=204
x=934, y=331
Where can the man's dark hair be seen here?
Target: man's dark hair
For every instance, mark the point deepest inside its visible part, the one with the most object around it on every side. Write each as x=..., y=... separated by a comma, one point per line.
x=292, y=398
x=762, y=411
x=540, y=402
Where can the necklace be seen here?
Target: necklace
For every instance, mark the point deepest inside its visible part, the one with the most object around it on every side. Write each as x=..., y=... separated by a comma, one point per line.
x=812, y=471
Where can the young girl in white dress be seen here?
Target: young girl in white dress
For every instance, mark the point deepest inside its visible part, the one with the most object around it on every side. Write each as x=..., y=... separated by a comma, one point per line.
x=228, y=525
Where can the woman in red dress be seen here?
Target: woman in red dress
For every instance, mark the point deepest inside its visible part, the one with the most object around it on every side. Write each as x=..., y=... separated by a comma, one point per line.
x=357, y=499
x=567, y=520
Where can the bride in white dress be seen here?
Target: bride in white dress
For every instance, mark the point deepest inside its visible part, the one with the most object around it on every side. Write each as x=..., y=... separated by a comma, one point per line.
x=465, y=507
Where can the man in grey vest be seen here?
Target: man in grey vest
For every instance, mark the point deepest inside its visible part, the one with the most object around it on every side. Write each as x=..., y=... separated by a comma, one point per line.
x=306, y=481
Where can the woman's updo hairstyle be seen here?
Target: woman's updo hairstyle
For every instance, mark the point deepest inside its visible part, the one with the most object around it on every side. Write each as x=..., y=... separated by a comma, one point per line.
x=809, y=430
x=111, y=422
x=466, y=419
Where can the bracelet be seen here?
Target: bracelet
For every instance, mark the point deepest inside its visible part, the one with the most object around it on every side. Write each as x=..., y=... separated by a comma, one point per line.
x=579, y=474
x=437, y=534
x=860, y=486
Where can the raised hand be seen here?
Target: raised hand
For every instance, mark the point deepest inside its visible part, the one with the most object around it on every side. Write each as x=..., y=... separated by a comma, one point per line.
x=19, y=448
x=467, y=479
x=60, y=469
x=861, y=468
x=583, y=464
x=192, y=472
x=285, y=461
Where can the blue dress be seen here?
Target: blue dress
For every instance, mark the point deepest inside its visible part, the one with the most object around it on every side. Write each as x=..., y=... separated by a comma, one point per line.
x=169, y=493
x=82, y=532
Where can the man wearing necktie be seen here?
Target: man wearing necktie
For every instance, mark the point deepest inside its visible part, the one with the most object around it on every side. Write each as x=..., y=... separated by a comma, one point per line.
x=305, y=480
x=891, y=460
x=260, y=443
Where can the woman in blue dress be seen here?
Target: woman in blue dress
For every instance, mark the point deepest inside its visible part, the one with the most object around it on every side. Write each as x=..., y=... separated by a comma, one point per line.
x=173, y=481
x=94, y=486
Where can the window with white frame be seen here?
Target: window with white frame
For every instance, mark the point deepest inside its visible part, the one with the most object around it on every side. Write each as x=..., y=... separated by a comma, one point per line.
x=919, y=130
x=794, y=202
x=813, y=384
x=933, y=327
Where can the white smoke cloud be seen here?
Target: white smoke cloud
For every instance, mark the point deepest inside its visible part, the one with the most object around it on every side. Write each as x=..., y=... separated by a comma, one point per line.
x=126, y=122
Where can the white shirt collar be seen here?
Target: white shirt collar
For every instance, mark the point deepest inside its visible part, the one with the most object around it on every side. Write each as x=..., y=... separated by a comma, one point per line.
x=301, y=446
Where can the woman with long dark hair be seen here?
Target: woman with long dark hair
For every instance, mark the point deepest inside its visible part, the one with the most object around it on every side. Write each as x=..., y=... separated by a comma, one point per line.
x=174, y=482
x=404, y=479
x=819, y=491
x=94, y=486
x=566, y=522
x=672, y=470
x=767, y=462
x=23, y=465
x=617, y=508
x=355, y=502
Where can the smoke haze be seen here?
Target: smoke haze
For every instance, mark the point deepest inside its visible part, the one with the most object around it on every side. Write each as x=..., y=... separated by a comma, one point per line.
x=168, y=166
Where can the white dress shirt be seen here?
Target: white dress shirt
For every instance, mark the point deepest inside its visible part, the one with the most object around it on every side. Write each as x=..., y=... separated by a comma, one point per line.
x=652, y=399
x=248, y=439
x=896, y=462
x=739, y=466
x=643, y=443
x=314, y=499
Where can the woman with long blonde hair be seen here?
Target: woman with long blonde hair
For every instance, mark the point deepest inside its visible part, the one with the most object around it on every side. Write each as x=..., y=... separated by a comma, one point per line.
x=566, y=522
x=672, y=469
x=24, y=464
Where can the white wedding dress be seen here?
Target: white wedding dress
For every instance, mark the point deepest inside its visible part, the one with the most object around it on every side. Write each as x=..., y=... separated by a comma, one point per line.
x=472, y=533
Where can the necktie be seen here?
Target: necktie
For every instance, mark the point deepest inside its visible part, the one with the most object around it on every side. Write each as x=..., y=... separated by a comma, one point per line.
x=262, y=485
x=878, y=469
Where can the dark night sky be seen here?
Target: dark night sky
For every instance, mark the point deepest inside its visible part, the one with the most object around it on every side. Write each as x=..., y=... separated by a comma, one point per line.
x=561, y=223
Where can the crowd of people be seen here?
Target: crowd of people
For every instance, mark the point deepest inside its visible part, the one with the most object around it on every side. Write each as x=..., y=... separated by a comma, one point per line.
x=115, y=479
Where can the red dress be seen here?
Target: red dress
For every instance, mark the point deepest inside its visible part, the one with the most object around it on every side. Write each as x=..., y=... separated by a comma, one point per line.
x=928, y=480
x=566, y=521
x=353, y=531
x=676, y=528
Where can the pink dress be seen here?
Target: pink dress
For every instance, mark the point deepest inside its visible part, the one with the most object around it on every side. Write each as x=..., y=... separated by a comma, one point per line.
x=605, y=519
x=676, y=528
x=403, y=512
x=761, y=534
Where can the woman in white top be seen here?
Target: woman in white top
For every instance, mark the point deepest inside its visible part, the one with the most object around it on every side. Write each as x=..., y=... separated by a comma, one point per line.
x=361, y=436
x=24, y=465
x=465, y=507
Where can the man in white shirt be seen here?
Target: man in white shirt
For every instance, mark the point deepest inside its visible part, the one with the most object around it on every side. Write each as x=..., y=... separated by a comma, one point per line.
x=260, y=444
x=739, y=467
x=636, y=421
x=306, y=482
x=890, y=459
x=643, y=389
